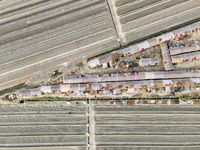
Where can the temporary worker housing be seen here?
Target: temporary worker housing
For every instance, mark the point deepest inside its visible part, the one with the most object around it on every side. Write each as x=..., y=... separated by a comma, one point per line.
x=185, y=57
x=166, y=57
x=152, y=42
x=117, y=86
x=186, y=49
x=129, y=76
x=149, y=62
x=45, y=89
x=30, y=92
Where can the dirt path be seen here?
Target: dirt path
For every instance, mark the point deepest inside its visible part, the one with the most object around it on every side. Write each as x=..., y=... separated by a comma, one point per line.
x=92, y=127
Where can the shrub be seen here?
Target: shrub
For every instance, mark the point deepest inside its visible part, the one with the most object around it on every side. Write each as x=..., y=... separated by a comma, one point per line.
x=180, y=83
x=145, y=102
x=164, y=101
x=195, y=95
x=185, y=98
x=166, y=96
x=130, y=102
x=137, y=96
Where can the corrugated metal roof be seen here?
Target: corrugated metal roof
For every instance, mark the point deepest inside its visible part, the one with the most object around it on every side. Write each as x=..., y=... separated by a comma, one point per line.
x=151, y=42
x=46, y=89
x=183, y=57
x=137, y=84
x=139, y=76
x=186, y=49
x=148, y=61
x=26, y=92
x=56, y=88
x=35, y=91
x=30, y=92
x=166, y=57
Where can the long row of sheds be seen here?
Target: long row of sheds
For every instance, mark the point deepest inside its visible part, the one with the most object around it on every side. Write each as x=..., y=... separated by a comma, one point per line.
x=166, y=57
x=45, y=89
x=132, y=84
x=187, y=49
x=144, y=45
x=129, y=76
x=107, y=86
x=183, y=54
x=185, y=57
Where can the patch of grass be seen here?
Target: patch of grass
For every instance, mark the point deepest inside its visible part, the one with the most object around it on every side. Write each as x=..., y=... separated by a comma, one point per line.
x=125, y=47
x=185, y=98
x=166, y=96
x=46, y=98
x=196, y=85
x=180, y=83
x=164, y=101
x=195, y=95
x=119, y=98
x=106, y=54
x=96, y=98
x=137, y=96
x=157, y=88
x=151, y=97
x=135, y=61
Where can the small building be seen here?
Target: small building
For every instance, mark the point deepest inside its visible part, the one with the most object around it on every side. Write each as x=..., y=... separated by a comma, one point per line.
x=128, y=51
x=100, y=61
x=94, y=63
x=166, y=57
x=55, y=88
x=117, y=92
x=169, y=35
x=26, y=93
x=160, y=39
x=105, y=92
x=130, y=91
x=154, y=61
x=144, y=45
x=65, y=88
x=185, y=57
x=46, y=89
x=74, y=87
x=186, y=49
x=152, y=42
x=30, y=92
x=79, y=93
x=36, y=92
x=144, y=62
x=135, y=49
x=149, y=62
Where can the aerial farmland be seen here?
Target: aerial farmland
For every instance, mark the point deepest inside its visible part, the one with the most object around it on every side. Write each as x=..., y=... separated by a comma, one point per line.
x=99, y=74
